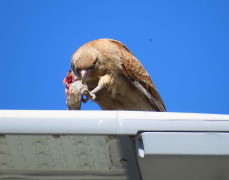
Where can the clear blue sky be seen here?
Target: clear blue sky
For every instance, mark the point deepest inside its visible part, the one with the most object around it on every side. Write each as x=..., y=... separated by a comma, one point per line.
x=184, y=45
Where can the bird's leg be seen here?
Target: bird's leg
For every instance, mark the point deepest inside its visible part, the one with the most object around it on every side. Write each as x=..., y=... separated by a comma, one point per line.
x=103, y=82
x=97, y=89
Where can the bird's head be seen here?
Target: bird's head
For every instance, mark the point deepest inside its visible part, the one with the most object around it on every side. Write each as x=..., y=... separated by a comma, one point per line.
x=85, y=64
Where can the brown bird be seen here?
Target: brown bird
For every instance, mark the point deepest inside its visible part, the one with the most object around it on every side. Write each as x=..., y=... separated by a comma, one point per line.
x=115, y=78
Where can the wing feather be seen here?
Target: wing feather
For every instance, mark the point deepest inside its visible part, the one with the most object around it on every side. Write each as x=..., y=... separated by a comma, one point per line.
x=136, y=73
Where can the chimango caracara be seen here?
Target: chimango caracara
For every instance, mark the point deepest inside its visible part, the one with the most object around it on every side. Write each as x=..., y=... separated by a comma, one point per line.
x=115, y=78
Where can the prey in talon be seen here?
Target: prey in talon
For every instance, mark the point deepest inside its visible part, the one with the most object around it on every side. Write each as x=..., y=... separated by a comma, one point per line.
x=74, y=90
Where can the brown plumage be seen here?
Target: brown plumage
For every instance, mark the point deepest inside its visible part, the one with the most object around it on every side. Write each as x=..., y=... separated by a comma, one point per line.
x=115, y=76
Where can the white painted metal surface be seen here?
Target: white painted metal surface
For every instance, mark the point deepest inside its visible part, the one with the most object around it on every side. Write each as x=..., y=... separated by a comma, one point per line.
x=183, y=155
x=106, y=122
x=173, y=145
x=184, y=143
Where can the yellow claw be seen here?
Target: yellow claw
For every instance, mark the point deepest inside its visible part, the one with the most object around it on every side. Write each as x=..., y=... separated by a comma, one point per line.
x=89, y=94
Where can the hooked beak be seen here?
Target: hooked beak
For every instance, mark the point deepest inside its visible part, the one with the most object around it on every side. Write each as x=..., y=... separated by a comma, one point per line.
x=83, y=74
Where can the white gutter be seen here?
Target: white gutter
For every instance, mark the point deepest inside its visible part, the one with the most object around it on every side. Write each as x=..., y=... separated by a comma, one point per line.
x=106, y=122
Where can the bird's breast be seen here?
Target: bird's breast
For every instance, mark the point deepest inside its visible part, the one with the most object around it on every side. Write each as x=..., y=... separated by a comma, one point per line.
x=122, y=96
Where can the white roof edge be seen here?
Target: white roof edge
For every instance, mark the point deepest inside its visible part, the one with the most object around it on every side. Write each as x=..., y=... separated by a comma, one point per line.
x=106, y=122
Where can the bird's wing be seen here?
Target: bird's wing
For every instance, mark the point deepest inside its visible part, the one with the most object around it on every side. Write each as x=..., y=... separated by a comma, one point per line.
x=136, y=73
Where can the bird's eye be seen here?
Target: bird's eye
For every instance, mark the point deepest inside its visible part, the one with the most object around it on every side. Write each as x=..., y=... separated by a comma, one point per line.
x=78, y=71
x=91, y=67
x=73, y=68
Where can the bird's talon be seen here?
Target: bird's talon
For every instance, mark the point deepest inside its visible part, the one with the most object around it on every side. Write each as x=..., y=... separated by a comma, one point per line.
x=84, y=90
x=92, y=96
